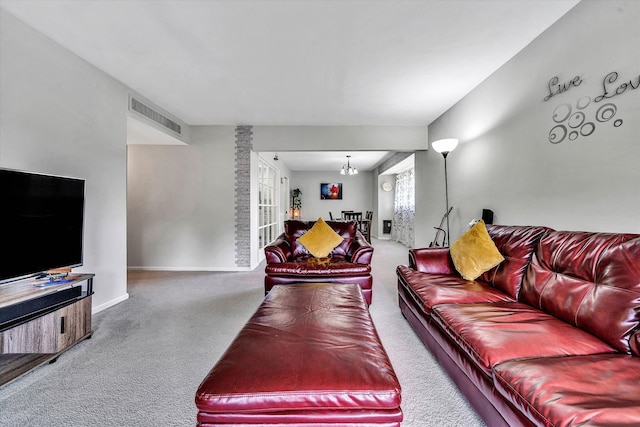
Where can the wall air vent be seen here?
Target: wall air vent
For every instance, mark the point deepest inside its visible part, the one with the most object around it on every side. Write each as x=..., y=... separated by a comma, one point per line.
x=157, y=117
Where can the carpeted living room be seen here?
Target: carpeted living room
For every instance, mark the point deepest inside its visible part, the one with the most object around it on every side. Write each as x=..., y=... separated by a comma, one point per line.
x=472, y=168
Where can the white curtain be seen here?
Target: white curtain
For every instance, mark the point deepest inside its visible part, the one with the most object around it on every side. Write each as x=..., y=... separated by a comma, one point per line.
x=404, y=209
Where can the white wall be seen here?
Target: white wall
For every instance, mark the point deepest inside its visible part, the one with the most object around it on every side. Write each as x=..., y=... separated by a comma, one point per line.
x=181, y=203
x=385, y=203
x=60, y=115
x=356, y=193
x=506, y=161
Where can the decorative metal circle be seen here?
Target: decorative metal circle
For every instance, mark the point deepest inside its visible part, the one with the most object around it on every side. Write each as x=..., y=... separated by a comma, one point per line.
x=573, y=135
x=561, y=113
x=583, y=102
x=576, y=119
x=557, y=134
x=606, y=112
x=587, y=129
x=617, y=123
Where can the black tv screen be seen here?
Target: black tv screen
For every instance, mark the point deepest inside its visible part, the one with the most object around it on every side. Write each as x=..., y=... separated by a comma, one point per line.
x=41, y=223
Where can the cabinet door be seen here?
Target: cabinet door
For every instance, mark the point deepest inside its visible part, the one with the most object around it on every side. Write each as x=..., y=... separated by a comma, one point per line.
x=36, y=336
x=74, y=322
x=50, y=333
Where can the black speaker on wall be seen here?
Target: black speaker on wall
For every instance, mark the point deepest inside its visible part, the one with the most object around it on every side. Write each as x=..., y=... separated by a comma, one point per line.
x=487, y=216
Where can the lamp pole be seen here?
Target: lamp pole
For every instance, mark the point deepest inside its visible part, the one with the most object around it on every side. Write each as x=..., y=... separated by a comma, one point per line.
x=446, y=193
x=444, y=147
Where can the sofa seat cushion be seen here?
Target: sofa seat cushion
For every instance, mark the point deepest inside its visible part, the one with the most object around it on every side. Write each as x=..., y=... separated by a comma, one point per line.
x=311, y=267
x=491, y=333
x=599, y=390
x=429, y=290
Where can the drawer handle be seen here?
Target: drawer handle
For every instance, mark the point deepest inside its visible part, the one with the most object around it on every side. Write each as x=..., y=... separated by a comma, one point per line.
x=62, y=325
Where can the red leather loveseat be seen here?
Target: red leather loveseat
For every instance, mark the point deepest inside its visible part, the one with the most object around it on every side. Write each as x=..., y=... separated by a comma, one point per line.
x=549, y=337
x=288, y=261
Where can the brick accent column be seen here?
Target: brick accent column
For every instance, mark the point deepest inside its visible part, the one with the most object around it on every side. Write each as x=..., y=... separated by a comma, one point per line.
x=244, y=138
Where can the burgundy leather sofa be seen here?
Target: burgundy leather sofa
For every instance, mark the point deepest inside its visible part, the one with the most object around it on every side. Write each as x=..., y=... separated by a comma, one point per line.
x=550, y=337
x=288, y=261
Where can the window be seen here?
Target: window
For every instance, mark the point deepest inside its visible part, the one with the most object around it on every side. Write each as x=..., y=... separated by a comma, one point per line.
x=404, y=210
x=267, y=204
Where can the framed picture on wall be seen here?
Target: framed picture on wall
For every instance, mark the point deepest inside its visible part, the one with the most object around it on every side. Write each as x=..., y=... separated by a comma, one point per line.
x=331, y=191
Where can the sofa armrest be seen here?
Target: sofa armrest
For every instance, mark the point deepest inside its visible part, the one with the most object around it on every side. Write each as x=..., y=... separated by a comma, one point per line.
x=360, y=251
x=431, y=260
x=278, y=251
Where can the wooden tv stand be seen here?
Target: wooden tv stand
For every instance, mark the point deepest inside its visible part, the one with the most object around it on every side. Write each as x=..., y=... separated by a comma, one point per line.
x=40, y=319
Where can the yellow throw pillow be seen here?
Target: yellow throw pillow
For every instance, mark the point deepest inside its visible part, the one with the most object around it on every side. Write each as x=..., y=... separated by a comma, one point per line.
x=474, y=252
x=320, y=239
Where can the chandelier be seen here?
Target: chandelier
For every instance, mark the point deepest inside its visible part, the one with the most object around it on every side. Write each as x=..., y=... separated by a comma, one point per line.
x=348, y=169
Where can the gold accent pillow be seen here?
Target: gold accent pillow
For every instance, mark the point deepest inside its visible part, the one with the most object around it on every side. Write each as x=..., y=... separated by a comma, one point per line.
x=474, y=252
x=320, y=240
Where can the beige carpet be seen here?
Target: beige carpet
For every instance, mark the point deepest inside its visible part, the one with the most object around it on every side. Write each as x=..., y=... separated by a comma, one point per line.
x=149, y=354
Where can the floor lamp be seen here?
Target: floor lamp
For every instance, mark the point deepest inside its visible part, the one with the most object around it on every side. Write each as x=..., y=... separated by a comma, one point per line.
x=444, y=147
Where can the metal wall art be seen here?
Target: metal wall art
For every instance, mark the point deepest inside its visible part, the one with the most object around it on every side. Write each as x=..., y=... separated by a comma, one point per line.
x=581, y=119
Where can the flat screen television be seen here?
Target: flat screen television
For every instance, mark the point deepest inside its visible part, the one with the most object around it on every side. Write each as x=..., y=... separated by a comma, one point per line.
x=41, y=223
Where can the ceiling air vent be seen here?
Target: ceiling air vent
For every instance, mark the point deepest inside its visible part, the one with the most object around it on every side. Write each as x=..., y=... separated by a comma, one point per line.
x=157, y=117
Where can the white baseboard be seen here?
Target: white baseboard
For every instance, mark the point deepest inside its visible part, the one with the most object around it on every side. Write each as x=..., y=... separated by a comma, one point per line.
x=99, y=308
x=385, y=237
x=156, y=268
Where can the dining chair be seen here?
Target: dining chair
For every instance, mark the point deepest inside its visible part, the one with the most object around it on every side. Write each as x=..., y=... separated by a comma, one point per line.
x=365, y=229
x=365, y=225
x=352, y=216
x=343, y=212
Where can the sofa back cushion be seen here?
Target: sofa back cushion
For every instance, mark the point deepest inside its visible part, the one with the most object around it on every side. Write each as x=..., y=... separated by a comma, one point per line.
x=294, y=229
x=590, y=280
x=516, y=244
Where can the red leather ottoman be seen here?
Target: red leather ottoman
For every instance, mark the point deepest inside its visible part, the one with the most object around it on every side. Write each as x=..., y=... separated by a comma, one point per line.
x=310, y=355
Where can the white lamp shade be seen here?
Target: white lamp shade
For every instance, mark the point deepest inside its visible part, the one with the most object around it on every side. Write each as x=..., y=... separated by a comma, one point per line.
x=445, y=145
